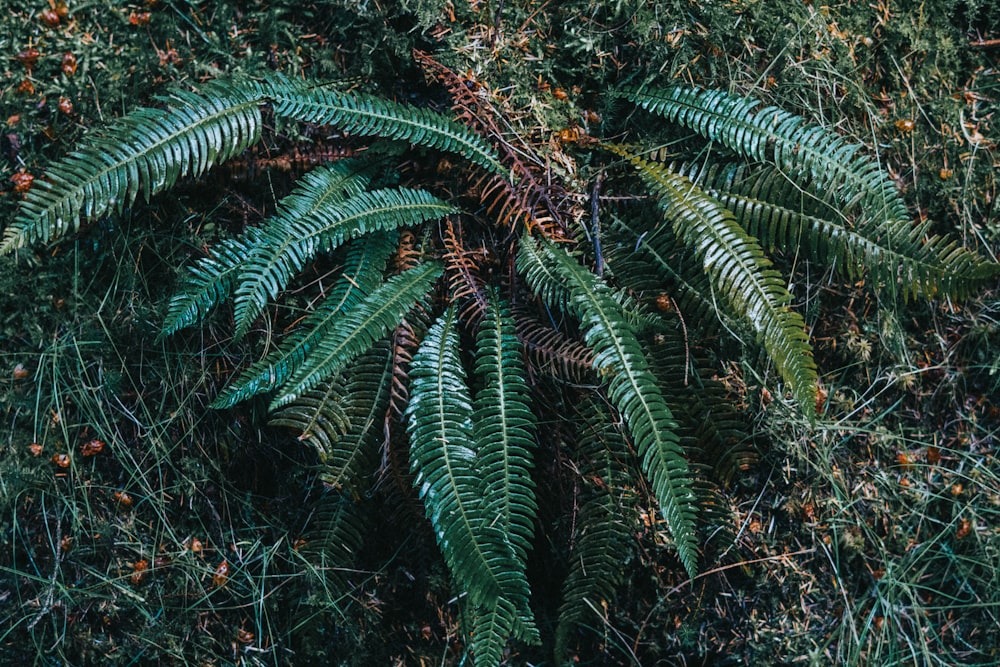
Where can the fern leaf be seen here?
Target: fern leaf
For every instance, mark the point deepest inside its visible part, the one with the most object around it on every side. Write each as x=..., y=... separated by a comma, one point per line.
x=603, y=531
x=355, y=332
x=553, y=291
x=787, y=214
x=367, y=115
x=319, y=416
x=343, y=421
x=333, y=538
x=209, y=281
x=443, y=457
x=366, y=260
x=491, y=628
x=740, y=274
x=379, y=210
x=322, y=189
x=785, y=140
x=631, y=387
x=145, y=151
x=317, y=222
x=503, y=427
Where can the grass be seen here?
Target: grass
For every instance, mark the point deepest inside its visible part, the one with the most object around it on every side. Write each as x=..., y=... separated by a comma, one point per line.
x=871, y=539
x=168, y=544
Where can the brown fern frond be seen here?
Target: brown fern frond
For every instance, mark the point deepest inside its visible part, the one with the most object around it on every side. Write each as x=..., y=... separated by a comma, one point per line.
x=467, y=95
x=516, y=205
x=294, y=161
x=406, y=337
x=528, y=197
x=394, y=467
x=405, y=341
x=552, y=352
x=462, y=268
x=408, y=254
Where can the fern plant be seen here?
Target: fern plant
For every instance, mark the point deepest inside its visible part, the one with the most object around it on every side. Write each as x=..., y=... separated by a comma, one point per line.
x=456, y=324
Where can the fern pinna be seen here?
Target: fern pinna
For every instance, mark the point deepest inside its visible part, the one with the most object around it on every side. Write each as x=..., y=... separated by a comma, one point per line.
x=449, y=315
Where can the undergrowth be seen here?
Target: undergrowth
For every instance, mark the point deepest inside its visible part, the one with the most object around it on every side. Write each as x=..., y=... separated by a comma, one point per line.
x=869, y=538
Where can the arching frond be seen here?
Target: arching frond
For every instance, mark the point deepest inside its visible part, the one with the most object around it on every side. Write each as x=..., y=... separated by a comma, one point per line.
x=322, y=189
x=358, y=328
x=209, y=281
x=783, y=139
x=631, y=387
x=363, y=267
x=443, y=456
x=503, y=427
x=144, y=152
x=552, y=290
x=293, y=240
x=368, y=115
x=740, y=273
x=790, y=214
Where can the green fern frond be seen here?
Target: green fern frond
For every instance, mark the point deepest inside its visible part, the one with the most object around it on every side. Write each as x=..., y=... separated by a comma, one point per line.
x=209, y=281
x=265, y=271
x=631, y=387
x=503, y=428
x=363, y=268
x=777, y=137
x=787, y=214
x=368, y=115
x=491, y=627
x=294, y=240
x=553, y=291
x=740, y=273
x=319, y=416
x=668, y=267
x=710, y=429
x=603, y=529
x=444, y=459
x=343, y=420
x=144, y=152
x=333, y=538
x=359, y=327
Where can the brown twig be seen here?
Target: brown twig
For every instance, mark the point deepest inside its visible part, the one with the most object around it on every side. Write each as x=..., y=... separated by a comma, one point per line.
x=985, y=43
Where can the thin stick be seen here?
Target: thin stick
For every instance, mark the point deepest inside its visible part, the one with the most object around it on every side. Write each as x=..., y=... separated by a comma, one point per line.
x=595, y=223
x=985, y=43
